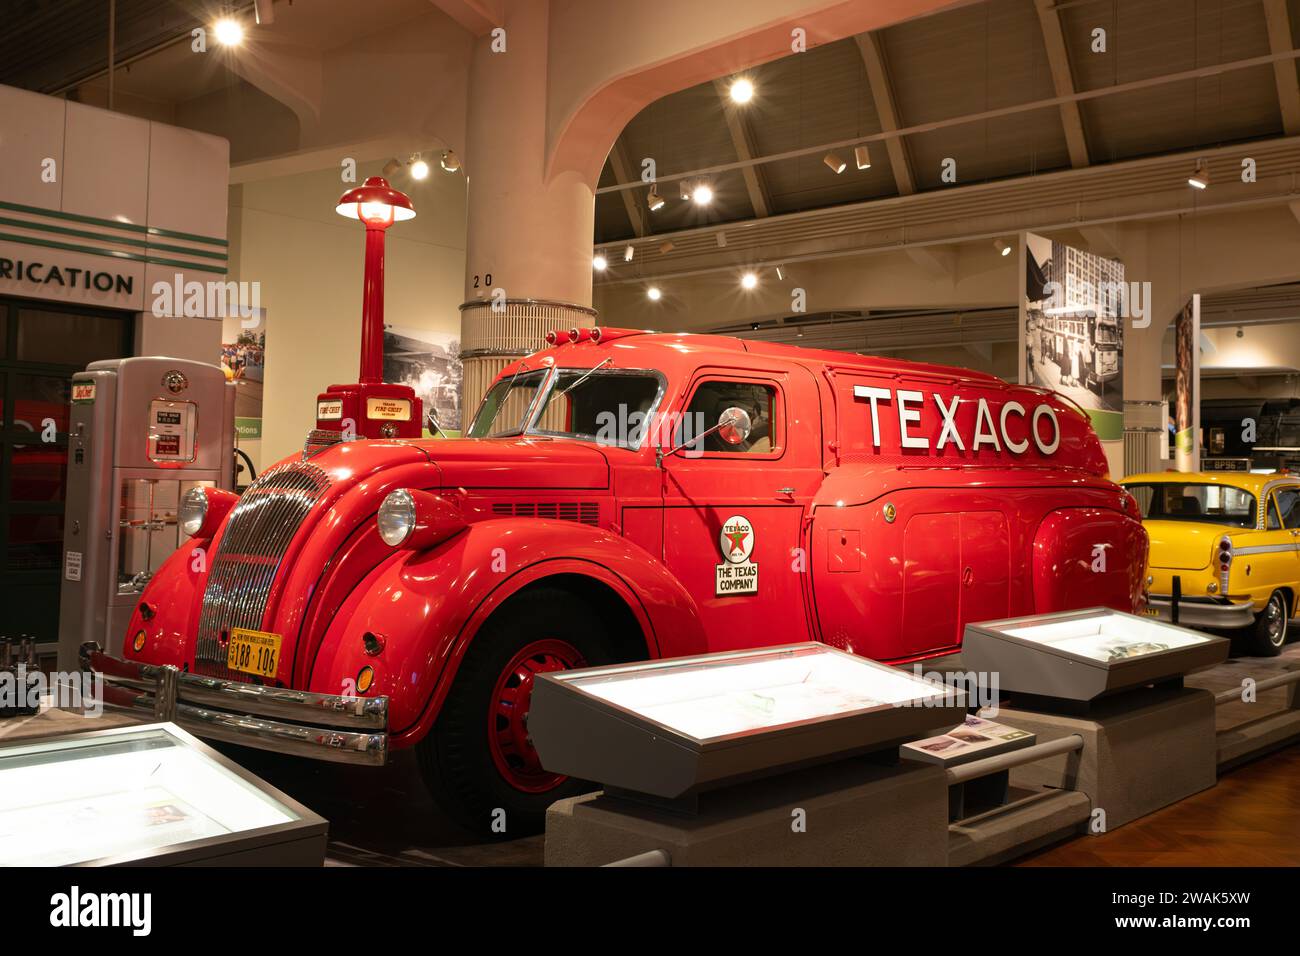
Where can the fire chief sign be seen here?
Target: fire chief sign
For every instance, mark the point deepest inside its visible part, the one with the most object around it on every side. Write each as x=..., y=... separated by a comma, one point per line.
x=737, y=574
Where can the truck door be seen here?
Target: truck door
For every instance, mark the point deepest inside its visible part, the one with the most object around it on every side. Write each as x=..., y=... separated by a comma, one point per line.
x=734, y=503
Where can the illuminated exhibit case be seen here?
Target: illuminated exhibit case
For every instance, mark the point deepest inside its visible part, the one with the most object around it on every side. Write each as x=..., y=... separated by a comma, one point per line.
x=145, y=795
x=676, y=727
x=1083, y=655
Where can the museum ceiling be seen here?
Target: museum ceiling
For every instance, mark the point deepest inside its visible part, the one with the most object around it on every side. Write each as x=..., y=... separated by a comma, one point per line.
x=1175, y=75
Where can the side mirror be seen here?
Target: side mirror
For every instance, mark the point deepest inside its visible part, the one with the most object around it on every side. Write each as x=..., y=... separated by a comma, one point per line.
x=734, y=425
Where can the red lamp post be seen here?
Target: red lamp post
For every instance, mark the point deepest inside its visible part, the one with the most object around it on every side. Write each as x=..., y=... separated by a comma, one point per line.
x=376, y=409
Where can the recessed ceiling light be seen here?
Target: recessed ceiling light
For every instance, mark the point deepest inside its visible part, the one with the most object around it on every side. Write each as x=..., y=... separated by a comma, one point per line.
x=653, y=293
x=702, y=194
x=742, y=91
x=862, y=156
x=749, y=280
x=228, y=32
x=835, y=163
x=1201, y=178
x=599, y=262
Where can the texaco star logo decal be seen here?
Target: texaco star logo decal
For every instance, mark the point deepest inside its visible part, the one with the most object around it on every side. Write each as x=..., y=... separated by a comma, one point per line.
x=736, y=539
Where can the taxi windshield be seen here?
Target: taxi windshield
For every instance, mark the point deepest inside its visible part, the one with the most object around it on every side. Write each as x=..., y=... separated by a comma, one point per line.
x=607, y=406
x=1187, y=501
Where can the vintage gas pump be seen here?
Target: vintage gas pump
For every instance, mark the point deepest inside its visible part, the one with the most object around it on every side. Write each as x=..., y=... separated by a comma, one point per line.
x=143, y=432
x=372, y=407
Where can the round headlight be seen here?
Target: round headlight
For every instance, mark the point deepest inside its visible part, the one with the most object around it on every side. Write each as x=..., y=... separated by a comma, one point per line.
x=397, y=517
x=194, y=508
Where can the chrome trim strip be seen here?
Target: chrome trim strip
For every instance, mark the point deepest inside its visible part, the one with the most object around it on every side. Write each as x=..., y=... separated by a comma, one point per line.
x=1201, y=613
x=1265, y=549
x=552, y=303
x=324, y=727
x=363, y=713
x=319, y=743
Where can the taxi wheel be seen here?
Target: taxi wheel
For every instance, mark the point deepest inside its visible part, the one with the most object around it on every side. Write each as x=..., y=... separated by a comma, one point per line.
x=478, y=761
x=1269, y=632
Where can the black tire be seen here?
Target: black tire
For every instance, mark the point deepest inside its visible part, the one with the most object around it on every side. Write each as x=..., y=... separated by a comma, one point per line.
x=1268, y=634
x=456, y=759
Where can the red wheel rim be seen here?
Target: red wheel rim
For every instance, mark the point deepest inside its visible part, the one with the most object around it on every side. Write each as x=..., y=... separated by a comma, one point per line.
x=512, y=749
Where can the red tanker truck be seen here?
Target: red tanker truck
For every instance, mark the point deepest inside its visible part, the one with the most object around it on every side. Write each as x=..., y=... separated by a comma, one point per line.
x=619, y=495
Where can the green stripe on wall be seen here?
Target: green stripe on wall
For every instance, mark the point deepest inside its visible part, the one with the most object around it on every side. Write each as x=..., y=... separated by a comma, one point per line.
x=113, y=223
x=87, y=234
x=111, y=253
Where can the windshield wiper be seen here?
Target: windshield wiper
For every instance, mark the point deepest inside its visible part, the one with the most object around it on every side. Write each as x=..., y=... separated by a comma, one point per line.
x=585, y=375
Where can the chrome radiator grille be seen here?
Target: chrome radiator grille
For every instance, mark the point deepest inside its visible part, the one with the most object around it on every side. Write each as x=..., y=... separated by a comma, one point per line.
x=243, y=570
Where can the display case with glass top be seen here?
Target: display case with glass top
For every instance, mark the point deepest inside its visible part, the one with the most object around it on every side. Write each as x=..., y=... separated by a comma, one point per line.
x=1083, y=655
x=675, y=727
x=144, y=795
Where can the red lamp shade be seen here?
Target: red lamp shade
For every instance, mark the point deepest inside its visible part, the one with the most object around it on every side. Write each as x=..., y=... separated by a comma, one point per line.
x=375, y=203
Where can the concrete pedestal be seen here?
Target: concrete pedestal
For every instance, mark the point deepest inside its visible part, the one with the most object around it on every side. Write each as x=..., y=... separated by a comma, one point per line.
x=855, y=814
x=1141, y=750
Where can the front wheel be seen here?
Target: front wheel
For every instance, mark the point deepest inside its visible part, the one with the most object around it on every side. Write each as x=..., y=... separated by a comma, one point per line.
x=1266, y=637
x=478, y=761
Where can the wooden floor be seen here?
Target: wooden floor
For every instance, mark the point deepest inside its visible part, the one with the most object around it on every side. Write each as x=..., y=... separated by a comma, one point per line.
x=1252, y=818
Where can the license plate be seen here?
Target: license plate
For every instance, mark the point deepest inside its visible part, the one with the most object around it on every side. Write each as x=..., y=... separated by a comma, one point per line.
x=253, y=652
x=1151, y=611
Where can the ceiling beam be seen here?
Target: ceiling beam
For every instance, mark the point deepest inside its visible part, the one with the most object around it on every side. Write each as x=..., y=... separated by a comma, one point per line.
x=882, y=92
x=1058, y=61
x=1216, y=69
x=1073, y=200
x=636, y=212
x=1279, y=41
x=742, y=139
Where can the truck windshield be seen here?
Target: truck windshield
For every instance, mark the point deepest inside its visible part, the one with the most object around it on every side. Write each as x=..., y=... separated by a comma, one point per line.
x=608, y=406
x=505, y=408
x=1179, y=501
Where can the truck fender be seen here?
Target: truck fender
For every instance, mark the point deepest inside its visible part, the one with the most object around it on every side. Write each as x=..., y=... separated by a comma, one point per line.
x=422, y=609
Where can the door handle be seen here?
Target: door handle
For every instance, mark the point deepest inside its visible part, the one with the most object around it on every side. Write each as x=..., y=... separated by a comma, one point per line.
x=788, y=492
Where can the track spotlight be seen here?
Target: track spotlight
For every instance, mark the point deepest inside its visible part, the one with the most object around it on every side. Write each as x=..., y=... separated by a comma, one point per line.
x=391, y=167
x=779, y=274
x=749, y=280
x=653, y=293
x=628, y=253
x=666, y=247
x=835, y=163
x=419, y=168
x=742, y=91
x=1201, y=178
x=702, y=194
x=1003, y=248
x=228, y=32
x=654, y=200
x=686, y=190
x=862, y=156
x=450, y=162
x=599, y=262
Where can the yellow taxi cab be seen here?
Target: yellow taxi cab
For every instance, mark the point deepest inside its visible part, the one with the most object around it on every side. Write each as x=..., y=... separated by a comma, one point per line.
x=1229, y=544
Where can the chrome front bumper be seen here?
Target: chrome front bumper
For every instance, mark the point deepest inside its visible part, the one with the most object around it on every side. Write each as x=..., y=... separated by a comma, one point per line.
x=321, y=726
x=1202, y=613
